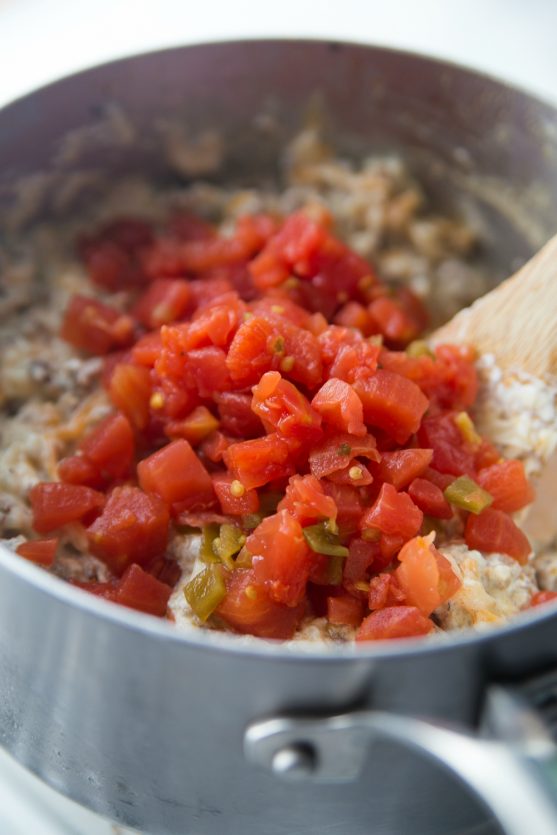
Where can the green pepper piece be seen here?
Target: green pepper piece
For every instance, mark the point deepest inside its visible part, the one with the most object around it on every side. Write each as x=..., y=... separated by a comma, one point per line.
x=229, y=541
x=466, y=494
x=206, y=590
x=419, y=348
x=335, y=570
x=244, y=559
x=209, y=534
x=322, y=541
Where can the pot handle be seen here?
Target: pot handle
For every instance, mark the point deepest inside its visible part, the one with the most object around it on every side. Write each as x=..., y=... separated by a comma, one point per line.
x=514, y=771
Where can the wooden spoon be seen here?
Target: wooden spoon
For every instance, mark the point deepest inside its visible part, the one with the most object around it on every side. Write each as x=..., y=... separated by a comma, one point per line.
x=516, y=322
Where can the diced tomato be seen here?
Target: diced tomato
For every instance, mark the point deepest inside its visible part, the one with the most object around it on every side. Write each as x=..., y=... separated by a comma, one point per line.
x=259, y=461
x=460, y=385
x=77, y=469
x=147, y=349
x=353, y=473
x=451, y=454
x=345, y=610
x=139, y=590
x=403, y=466
x=306, y=500
x=176, y=474
x=189, y=227
x=206, y=371
x=236, y=415
x=287, y=251
x=389, y=545
x=165, y=301
x=55, y=504
x=355, y=315
x=336, y=452
x=133, y=527
x=249, y=356
x=385, y=591
x=130, y=391
x=493, y=531
x=441, y=480
x=363, y=557
x=214, y=324
x=394, y=622
x=430, y=499
x=254, y=612
x=233, y=497
x=110, y=447
x=392, y=403
x=354, y=361
x=390, y=319
x=425, y=576
x=508, y=484
x=393, y=514
x=540, y=597
x=281, y=558
x=214, y=447
x=349, y=505
x=486, y=455
x=40, y=551
x=340, y=407
x=283, y=409
x=273, y=301
x=92, y=326
x=112, y=257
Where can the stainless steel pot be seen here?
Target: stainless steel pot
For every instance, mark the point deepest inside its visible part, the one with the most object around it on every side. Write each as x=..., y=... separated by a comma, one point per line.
x=171, y=734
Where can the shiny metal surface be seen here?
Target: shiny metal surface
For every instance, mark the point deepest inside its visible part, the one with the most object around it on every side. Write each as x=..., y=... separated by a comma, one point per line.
x=117, y=710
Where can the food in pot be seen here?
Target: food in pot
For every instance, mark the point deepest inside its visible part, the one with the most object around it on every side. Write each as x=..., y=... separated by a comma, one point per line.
x=237, y=424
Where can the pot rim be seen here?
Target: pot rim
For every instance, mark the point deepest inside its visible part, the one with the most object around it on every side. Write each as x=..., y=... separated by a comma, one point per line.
x=164, y=630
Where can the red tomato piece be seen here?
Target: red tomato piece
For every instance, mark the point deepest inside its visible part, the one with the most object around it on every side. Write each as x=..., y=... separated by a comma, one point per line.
x=236, y=415
x=138, y=590
x=353, y=361
x=283, y=409
x=337, y=452
x=77, y=469
x=112, y=257
x=349, y=505
x=394, y=622
x=40, y=551
x=306, y=500
x=235, y=505
x=287, y=251
x=133, y=527
x=92, y=326
x=130, y=391
x=165, y=301
x=486, y=455
x=508, y=484
x=256, y=613
x=55, y=504
x=355, y=315
x=249, y=356
x=353, y=473
x=540, y=597
x=268, y=304
x=206, y=371
x=214, y=447
x=281, y=558
x=401, y=467
x=259, y=461
x=194, y=428
x=345, y=610
x=361, y=559
x=215, y=324
x=384, y=591
x=392, y=403
x=147, y=349
x=493, y=531
x=176, y=474
x=451, y=454
x=393, y=514
x=340, y=407
x=430, y=499
x=110, y=447
x=425, y=575
x=390, y=319
x=189, y=227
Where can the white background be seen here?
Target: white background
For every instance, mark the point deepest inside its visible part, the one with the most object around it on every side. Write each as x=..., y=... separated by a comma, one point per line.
x=41, y=40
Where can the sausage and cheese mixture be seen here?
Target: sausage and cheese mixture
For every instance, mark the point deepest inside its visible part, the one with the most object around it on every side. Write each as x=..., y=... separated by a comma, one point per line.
x=223, y=411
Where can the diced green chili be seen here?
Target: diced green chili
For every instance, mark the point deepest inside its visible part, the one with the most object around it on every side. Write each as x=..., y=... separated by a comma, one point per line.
x=322, y=541
x=419, y=348
x=209, y=534
x=244, y=559
x=466, y=494
x=335, y=570
x=229, y=541
x=206, y=590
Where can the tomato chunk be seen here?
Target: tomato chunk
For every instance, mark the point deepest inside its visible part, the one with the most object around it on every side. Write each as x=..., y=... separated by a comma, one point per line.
x=337, y=452
x=425, y=576
x=430, y=499
x=249, y=609
x=392, y=403
x=130, y=391
x=176, y=474
x=393, y=514
x=55, y=504
x=540, y=597
x=133, y=527
x=283, y=409
x=384, y=591
x=340, y=407
x=233, y=497
x=345, y=610
x=92, y=326
x=194, y=428
x=306, y=500
x=403, y=466
x=40, y=551
x=165, y=301
x=259, y=461
x=110, y=447
x=394, y=622
x=508, y=484
x=493, y=531
x=281, y=558
x=139, y=590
